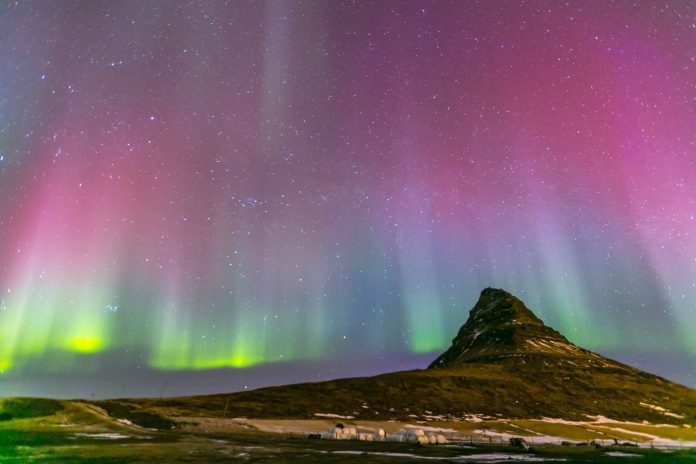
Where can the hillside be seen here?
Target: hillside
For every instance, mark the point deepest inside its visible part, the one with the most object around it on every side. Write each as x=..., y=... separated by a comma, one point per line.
x=506, y=375
x=504, y=362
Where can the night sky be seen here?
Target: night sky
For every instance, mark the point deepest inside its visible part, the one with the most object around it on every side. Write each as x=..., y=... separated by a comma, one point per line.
x=226, y=194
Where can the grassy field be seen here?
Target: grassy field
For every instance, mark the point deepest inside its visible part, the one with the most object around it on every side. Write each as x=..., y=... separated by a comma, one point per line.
x=504, y=376
x=535, y=386
x=84, y=432
x=478, y=401
x=268, y=448
x=255, y=448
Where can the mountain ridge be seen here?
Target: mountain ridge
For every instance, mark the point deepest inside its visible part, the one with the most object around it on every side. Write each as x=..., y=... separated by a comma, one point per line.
x=516, y=367
x=500, y=325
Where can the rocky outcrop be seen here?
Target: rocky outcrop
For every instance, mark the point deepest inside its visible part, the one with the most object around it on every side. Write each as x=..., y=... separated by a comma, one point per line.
x=500, y=325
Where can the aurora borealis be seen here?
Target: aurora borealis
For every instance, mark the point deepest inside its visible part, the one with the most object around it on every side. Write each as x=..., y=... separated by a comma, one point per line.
x=195, y=185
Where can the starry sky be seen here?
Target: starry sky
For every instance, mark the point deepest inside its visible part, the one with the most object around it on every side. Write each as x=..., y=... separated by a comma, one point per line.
x=246, y=193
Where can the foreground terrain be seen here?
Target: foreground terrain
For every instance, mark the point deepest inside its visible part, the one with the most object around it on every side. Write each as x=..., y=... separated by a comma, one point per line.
x=506, y=375
x=81, y=432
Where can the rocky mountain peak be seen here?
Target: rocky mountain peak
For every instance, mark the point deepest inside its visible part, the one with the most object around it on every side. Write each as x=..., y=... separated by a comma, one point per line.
x=500, y=325
x=498, y=306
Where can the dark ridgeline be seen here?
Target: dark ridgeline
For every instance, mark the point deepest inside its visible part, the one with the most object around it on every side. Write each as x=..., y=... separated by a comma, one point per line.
x=503, y=362
x=501, y=325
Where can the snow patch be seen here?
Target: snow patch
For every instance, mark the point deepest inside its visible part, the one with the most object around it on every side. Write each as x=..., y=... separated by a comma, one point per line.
x=661, y=410
x=552, y=420
x=505, y=437
x=652, y=406
x=492, y=458
x=501, y=457
x=633, y=432
x=429, y=429
x=333, y=416
x=103, y=436
x=619, y=454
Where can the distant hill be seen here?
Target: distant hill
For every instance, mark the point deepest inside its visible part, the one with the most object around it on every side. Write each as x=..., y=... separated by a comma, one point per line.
x=504, y=362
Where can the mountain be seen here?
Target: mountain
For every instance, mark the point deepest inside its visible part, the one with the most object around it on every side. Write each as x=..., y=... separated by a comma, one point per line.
x=499, y=326
x=503, y=362
x=506, y=375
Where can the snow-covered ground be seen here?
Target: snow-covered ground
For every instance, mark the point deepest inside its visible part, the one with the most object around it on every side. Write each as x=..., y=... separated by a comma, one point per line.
x=430, y=429
x=648, y=439
x=103, y=436
x=476, y=429
x=332, y=416
x=619, y=454
x=501, y=437
x=491, y=458
x=661, y=410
